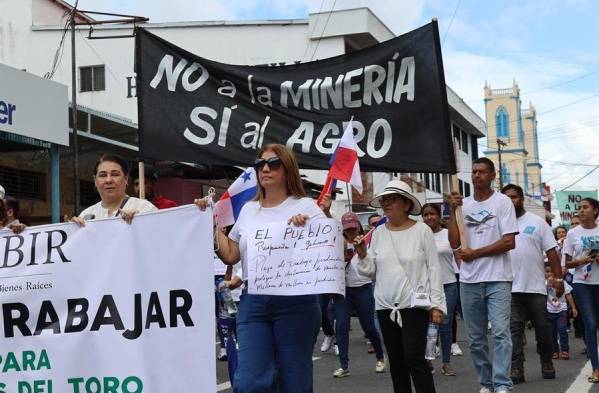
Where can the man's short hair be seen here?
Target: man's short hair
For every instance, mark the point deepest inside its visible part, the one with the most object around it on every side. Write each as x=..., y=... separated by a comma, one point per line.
x=12, y=203
x=515, y=187
x=486, y=161
x=373, y=215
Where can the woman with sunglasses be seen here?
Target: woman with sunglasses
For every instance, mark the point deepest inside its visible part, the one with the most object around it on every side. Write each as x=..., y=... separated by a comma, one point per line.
x=431, y=214
x=408, y=290
x=276, y=333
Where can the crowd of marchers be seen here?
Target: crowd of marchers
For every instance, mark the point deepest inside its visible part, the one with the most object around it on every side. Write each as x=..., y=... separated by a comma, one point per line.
x=498, y=266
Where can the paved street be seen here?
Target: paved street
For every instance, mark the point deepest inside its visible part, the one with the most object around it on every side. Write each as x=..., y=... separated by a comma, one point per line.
x=364, y=379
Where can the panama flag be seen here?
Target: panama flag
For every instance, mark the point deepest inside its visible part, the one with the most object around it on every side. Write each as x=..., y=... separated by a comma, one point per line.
x=368, y=237
x=344, y=163
x=230, y=203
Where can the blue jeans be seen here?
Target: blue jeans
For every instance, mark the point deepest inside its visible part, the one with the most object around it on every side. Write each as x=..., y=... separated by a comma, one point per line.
x=483, y=302
x=276, y=339
x=325, y=316
x=558, y=328
x=445, y=330
x=587, y=296
x=362, y=300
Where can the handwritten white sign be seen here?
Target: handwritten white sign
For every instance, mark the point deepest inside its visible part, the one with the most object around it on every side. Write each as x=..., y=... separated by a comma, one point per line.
x=289, y=260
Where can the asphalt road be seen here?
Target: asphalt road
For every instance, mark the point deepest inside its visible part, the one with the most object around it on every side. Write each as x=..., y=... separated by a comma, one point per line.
x=571, y=374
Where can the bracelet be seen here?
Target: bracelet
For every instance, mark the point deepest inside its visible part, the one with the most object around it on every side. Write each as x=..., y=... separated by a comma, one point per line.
x=558, y=280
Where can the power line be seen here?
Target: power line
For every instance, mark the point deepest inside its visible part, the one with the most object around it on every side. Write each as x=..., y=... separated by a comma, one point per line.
x=588, y=173
x=526, y=92
x=553, y=109
x=323, y=30
x=101, y=59
x=451, y=22
x=60, y=49
x=313, y=28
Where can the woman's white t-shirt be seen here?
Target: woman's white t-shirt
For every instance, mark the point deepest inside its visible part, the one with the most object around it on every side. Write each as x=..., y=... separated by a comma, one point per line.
x=353, y=278
x=139, y=205
x=579, y=241
x=252, y=213
x=446, y=259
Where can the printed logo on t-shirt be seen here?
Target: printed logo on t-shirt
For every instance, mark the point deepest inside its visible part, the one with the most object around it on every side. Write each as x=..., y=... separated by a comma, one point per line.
x=589, y=242
x=529, y=230
x=480, y=221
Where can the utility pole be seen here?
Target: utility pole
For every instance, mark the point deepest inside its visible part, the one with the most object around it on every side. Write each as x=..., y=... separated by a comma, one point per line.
x=74, y=115
x=500, y=144
x=125, y=19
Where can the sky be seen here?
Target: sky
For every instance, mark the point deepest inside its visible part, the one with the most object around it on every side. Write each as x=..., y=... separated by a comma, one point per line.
x=550, y=47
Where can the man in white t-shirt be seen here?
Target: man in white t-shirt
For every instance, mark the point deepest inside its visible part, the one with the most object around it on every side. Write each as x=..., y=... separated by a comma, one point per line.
x=486, y=274
x=529, y=291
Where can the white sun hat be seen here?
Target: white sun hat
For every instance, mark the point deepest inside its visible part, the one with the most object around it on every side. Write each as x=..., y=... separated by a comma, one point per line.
x=402, y=188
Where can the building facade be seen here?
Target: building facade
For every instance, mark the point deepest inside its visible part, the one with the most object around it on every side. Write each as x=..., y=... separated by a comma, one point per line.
x=513, y=129
x=30, y=33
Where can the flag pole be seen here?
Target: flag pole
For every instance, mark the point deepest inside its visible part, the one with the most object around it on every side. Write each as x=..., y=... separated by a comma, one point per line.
x=348, y=196
x=142, y=180
x=459, y=214
x=349, y=204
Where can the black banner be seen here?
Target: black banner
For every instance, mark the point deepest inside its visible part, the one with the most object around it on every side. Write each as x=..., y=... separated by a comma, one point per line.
x=196, y=110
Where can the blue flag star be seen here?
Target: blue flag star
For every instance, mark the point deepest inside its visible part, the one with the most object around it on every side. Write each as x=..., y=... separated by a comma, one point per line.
x=246, y=176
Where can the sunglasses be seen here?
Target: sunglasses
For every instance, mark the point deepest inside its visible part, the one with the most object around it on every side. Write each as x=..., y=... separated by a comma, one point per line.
x=274, y=163
x=389, y=200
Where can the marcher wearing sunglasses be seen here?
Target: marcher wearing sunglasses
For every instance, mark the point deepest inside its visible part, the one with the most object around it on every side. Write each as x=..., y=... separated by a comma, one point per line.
x=274, y=163
x=276, y=333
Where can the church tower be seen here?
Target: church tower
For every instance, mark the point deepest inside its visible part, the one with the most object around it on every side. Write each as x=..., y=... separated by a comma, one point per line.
x=514, y=130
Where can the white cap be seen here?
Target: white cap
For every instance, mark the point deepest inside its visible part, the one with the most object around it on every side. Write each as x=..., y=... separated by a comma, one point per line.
x=2, y=192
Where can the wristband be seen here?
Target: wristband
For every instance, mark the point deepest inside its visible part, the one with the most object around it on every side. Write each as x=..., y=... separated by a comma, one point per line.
x=558, y=280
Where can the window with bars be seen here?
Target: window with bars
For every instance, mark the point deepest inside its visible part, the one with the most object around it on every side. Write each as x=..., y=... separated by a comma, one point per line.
x=23, y=184
x=92, y=78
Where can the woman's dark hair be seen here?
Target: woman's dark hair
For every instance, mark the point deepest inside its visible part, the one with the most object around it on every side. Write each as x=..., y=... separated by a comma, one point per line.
x=360, y=231
x=557, y=229
x=433, y=206
x=12, y=203
x=594, y=203
x=124, y=164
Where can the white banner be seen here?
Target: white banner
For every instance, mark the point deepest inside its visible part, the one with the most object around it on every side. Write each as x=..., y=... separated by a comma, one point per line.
x=109, y=307
x=288, y=260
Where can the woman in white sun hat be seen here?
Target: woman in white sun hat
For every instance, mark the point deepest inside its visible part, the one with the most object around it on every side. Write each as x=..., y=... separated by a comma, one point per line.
x=402, y=256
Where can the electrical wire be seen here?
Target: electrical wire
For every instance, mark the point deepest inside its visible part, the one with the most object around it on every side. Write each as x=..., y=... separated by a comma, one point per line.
x=585, y=175
x=313, y=28
x=103, y=61
x=451, y=22
x=526, y=92
x=60, y=50
x=323, y=30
